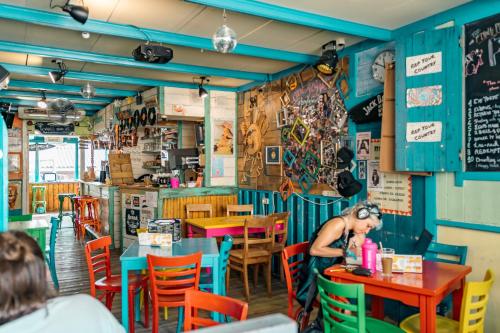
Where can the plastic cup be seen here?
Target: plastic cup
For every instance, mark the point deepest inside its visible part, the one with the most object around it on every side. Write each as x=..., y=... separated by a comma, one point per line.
x=387, y=258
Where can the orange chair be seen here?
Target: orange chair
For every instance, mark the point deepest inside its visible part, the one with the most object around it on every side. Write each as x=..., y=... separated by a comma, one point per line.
x=87, y=213
x=292, y=271
x=110, y=284
x=196, y=300
x=168, y=287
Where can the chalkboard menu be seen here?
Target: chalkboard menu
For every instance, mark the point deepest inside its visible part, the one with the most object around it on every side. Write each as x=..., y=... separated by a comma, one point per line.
x=482, y=94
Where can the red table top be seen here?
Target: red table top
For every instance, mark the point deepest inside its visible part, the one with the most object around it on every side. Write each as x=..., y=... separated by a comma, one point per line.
x=436, y=278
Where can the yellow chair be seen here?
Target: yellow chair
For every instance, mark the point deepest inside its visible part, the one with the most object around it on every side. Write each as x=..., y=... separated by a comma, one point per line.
x=472, y=313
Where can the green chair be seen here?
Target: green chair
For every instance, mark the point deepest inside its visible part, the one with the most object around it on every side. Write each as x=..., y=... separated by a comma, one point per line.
x=50, y=251
x=63, y=196
x=38, y=206
x=335, y=315
x=21, y=218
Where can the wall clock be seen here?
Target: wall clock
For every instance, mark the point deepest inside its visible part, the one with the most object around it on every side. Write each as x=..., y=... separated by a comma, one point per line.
x=378, y=66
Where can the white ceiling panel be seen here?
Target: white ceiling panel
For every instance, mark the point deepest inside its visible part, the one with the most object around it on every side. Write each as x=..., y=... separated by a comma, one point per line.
x=312, y=44
x=12, y=30
x=390, y=14
x=13, y=58
x=60, y=38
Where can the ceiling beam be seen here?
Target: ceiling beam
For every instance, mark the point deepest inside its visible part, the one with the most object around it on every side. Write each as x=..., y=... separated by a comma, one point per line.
x=294, y=16
x=37, y=95
x=114, y=60
x=63, y=88
x=63, y=21
x=109, y=78
x=25, y=102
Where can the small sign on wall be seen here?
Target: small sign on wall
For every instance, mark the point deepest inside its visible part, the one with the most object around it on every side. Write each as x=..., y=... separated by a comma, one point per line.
x=424, y=96
x=429, y=131
x=424, y=64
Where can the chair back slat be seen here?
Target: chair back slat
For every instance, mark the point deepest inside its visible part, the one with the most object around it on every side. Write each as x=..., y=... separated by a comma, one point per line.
x=173, y=276
x=198, y=208
x=283, y=231
x=452, y=254
x=266, y=223
x=474, y=304
x=100, y=262
x=238, y=209
x=198, y=300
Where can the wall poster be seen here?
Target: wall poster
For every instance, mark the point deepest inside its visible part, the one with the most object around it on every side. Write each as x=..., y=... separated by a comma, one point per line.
x=15, y=195
x=427, y=131
x=223, y=137
x=395, y=196
x=363, y=145
x=424, y=64
x=132, y=221
x=424, y=96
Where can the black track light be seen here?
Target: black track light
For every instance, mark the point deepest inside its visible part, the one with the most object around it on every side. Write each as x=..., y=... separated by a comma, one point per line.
x=79, y=13
x=57, y=75
x=202, y=92
x=4, y=78
x=42, y=103
x=329, y=58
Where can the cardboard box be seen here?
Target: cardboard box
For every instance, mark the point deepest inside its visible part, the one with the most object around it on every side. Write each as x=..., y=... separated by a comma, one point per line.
x=387, y=154
x=388, y=119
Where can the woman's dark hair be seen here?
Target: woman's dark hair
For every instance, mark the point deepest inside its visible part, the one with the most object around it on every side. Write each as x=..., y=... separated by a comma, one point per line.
x=23, y=276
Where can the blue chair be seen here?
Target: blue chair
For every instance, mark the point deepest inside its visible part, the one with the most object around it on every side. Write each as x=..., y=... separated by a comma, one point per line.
x=206, y=279
x=50, y=252
x=455, y=254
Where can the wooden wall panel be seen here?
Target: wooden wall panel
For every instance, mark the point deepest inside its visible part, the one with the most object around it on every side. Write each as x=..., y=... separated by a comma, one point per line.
x=177, y=207
x=52, y=191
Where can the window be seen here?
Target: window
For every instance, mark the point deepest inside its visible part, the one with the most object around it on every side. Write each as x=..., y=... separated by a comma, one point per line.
x=51, y=161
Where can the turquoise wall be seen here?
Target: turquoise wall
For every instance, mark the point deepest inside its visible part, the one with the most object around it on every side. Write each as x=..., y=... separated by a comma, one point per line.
x=4, y=211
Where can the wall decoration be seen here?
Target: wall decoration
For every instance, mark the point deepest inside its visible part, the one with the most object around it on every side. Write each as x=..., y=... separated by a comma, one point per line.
x=375, y=149
x=217, y=167
x=363, y=145
x=362, y=169
x=424, y=64
x=368, y=111
x=15, y=195
x=282, y=118
x=424, y=96
x=424, y=131
x=365, y=83
x=289, y=158
x=311, y=164
x=396, y=195
x=15, y=141
x=327, y=80
x=292, y=82
x=299, y=131
x=132, y=221
x=285, y=99
x=15, y=165
x=223, y=137
x=56, y=129
x=328, y=154
x=306, y=182
x=375, y=180
x=273, y=155
x=307, y=74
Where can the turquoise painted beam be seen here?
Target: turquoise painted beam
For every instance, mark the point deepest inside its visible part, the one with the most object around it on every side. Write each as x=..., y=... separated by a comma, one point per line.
x=114, y=60
x=63, y=88
x=25, y=102
x=108, y=78
x=63, y=21
x=294, y=16
x=37, y=95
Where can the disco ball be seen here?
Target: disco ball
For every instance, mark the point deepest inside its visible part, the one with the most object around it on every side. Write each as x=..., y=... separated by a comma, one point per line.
x=88, y=91
x=224, y=39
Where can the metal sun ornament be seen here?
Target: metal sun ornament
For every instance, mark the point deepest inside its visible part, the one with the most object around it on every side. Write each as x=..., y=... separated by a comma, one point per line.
x=224, y=39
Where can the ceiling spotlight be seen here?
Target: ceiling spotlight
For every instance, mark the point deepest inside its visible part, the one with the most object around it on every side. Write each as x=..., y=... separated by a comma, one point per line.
x=87, y=91
x=202, y=92
x=85, y=34
x=4, y=78
x=329, y=58
x=42, y=103
x=79, y=13
x=224, y=39
x=57, y=75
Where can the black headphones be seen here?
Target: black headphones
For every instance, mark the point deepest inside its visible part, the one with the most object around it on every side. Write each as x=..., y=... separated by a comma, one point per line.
x=368, y=209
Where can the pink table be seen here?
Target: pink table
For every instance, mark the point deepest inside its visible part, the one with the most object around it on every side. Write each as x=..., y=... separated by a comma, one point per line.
x=220, y=226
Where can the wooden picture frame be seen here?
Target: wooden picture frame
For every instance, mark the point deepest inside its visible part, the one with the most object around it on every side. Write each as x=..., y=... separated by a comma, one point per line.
x=327, y=80
x=273, y=155
x=282, y=118
x=300, y=131
x=307, y=74
x=285, y=99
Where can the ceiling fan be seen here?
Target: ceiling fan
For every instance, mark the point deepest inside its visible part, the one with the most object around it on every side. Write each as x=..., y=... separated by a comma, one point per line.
x=62, y=111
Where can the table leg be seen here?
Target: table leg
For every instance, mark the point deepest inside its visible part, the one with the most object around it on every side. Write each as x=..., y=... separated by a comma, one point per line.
x=378, y=307
x=189, y=230
x=423, y=314
x=457, y=300
x=431, y=315
x=124, y=295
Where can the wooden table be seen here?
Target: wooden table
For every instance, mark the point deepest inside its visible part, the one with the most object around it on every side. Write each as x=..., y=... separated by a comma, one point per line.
x=424, y=291
x=220, y=226
x=36, y=228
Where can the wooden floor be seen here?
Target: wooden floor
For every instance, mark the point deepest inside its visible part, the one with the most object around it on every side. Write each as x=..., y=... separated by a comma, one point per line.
x=73, y=278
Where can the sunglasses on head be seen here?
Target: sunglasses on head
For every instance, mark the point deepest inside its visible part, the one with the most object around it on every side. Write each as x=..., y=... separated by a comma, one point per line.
x=366, y=211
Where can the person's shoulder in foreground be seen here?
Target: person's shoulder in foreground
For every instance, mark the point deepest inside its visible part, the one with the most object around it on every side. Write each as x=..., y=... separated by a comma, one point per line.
x=76, y=313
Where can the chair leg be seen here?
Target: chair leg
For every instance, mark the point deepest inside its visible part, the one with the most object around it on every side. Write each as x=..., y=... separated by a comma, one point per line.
x=268, y=277
x=245, y=281
x=228, y=275
x=156, y=311
x=180, y=320
x=146, y=305
x=131, y=311
x=282, y=272
x=255, y=275
x=109, y=300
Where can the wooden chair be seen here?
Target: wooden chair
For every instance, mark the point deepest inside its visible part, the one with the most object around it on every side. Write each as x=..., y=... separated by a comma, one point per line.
x=472, y=312
x=292, y=258
x=168, y=286
x=255, y=251
x=110, y=284
x=199, y=300
x=340, y=316
x=236, y=209
x=198, y=208
x=281, y=235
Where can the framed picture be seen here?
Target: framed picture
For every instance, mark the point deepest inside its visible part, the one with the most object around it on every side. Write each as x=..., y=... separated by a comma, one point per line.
x=15, y=165
x=300, y=131
x=327, y=80
x=292, y=82
x=273, y=154
x=15, y=195
x=282, y=118
x=285, y=99
x=307, y=74
x=328, y=154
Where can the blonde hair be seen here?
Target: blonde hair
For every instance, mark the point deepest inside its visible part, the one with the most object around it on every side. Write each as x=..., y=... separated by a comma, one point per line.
x=354, y=209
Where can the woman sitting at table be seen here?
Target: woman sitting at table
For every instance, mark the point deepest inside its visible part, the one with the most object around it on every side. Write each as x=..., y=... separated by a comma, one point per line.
x=27, y=302
x=332, y=242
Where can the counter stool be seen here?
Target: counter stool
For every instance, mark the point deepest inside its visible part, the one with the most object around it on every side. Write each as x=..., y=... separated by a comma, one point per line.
x=63, y=196
x=86, y=213
x=35, y=189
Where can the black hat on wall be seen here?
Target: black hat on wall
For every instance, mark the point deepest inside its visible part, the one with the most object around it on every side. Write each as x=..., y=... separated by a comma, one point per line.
x=344, y=157
x=347, y=186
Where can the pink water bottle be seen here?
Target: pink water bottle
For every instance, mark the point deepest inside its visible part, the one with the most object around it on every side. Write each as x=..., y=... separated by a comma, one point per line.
x=369, y=255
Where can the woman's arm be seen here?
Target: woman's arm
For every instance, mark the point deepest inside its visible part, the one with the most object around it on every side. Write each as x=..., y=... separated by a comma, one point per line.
x=332, y=231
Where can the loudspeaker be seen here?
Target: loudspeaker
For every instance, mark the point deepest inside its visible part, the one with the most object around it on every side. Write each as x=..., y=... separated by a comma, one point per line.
x=153, y=53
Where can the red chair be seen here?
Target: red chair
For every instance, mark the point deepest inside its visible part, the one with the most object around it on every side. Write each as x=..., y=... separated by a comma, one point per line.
x=110, y=284
x=168, y=286
x=86, y=213
x=199, y=300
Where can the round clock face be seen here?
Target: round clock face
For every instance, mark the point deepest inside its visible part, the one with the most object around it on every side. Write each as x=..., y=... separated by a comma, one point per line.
x=378, y=66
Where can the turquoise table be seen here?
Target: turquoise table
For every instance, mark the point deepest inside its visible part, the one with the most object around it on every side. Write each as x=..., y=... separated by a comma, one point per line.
x=134, y=258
